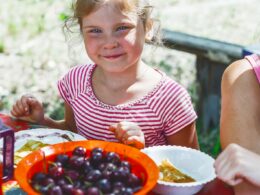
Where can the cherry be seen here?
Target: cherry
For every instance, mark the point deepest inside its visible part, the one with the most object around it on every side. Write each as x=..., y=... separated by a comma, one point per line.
x=93, y=176
x=76, y=161
x=55, y=190
x=63, y=159
x=38, y=177
x=79, y=151
x=72, y=175
x=56, y=171
x=96, y=150
x=113, y=158
x=104, y=185
x=93, y=191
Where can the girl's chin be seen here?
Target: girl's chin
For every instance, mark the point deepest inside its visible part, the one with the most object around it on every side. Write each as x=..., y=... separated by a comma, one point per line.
x=114, y=68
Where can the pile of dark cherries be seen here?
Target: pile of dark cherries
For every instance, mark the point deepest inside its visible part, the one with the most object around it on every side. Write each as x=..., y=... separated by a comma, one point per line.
x=87, y=173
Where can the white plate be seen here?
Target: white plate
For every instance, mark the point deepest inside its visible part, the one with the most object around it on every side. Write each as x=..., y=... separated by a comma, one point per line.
x=44, y=135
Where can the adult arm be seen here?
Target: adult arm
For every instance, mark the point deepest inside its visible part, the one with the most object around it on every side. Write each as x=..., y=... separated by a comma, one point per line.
x=240, y=107
x=240, y=112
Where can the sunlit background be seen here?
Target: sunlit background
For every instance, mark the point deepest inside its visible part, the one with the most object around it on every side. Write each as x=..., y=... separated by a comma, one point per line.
x=34, y=53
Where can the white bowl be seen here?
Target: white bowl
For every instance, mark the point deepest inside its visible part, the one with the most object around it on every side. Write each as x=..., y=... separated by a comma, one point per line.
x=192, y=162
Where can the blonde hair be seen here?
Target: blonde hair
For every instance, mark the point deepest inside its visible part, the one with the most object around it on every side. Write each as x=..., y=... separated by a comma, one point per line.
x=82, y=8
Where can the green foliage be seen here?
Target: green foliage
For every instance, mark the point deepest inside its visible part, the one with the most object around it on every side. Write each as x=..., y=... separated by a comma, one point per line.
x=165, y=66
x=4, y=103
x=58, y=113
x=40, y=24
x=63, y=16
x=209, y=141
x=12, y=28
x=56, y=110
x=2, y=47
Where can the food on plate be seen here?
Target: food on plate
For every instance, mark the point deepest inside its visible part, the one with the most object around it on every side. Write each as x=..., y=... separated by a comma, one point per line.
x=29, y=140
x=42, y=136
x=87, y=172
x=171, y=174
x=26, y=149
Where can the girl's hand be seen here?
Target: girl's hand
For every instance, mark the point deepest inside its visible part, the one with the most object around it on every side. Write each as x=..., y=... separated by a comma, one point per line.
x=236, y=163
x=28, y=108
x=129, y=133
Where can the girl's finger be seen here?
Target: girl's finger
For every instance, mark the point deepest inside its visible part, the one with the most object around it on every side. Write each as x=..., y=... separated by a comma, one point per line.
x=25, y=104
x=112, y=128
x=17, y=110
x=134, y=132
x=19, y=107
x=13, y=112
x=135, y=142
x=120, y=133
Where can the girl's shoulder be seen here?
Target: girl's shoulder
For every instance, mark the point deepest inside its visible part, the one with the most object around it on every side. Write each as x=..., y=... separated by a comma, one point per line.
x=170, y=89
x=80, y=70
x=76, y=81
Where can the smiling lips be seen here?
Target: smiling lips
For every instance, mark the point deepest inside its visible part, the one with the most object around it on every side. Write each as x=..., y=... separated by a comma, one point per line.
x=113, y=56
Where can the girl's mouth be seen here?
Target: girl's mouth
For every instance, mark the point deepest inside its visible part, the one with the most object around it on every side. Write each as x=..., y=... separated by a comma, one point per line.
x=113, y=56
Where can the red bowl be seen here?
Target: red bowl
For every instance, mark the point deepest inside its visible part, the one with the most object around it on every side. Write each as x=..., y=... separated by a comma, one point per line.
x=142, y=165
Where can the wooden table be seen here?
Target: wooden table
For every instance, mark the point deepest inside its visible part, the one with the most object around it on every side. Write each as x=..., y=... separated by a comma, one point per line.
x=216, y=187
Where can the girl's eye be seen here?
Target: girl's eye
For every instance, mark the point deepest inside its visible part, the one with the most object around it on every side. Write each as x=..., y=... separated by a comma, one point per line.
x=122, y=28
x=95, y=30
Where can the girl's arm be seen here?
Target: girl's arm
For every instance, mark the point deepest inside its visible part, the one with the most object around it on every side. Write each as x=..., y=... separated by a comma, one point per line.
x=68, y=123
x=185, y=137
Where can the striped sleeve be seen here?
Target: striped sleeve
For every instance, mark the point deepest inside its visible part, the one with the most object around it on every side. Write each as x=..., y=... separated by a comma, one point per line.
x=73, y=83
x=180, y=111
x=63, y=89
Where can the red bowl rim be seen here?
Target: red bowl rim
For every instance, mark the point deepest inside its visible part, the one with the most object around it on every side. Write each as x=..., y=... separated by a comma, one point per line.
x=145, y=161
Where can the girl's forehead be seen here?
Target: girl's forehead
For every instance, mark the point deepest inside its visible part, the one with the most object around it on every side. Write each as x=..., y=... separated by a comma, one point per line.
x=107, y=11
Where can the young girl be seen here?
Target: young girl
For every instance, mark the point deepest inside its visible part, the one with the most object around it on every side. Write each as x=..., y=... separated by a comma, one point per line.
x=119, y=97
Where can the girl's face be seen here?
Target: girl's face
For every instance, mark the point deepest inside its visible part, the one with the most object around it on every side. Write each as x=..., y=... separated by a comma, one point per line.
x=113, y=40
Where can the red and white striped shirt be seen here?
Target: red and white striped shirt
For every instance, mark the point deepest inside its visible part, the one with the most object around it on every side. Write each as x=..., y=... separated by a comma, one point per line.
x=161, y=113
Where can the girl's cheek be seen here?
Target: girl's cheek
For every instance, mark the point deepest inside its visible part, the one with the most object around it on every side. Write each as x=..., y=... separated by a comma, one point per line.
x=92, y=41
x=130, y=39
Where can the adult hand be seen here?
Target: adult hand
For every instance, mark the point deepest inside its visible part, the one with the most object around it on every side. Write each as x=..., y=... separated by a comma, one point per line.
x=28, y=108
x=129, y=133
x=236, y=163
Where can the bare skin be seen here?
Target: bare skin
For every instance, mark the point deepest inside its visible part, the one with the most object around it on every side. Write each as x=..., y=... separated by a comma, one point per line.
x=240, y=113
x=236, y=165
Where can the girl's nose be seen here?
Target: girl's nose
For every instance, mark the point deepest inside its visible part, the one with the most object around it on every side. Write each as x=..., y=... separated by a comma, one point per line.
x=111, y=43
